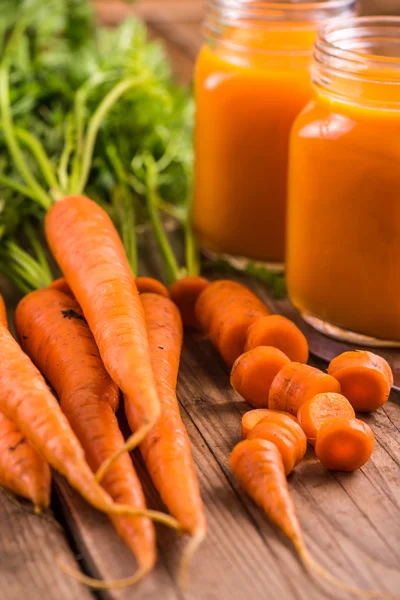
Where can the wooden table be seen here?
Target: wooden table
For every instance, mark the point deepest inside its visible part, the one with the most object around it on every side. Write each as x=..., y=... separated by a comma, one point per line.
x=351, y=522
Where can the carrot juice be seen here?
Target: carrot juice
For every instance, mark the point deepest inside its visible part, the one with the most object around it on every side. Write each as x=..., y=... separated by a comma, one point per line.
x=252, y=79
x=343, y=252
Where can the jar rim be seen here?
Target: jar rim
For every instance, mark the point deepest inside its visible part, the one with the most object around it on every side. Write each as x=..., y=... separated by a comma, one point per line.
x=277, y=10
x=331, y=46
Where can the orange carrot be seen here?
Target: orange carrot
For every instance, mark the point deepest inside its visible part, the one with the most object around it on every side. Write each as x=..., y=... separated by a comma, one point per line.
x=90, y=253
x=57, y=338
x=320, y=409
x=225, y=310
x=254, y=371
x=62, y=286
x=26, y=399
x=295, y=384
x=366, y=379
x=287, y=436
x=148, y=285
x=344, y=444
x=281, y=333
x=166, y=450
x=258, y=467
x=185, y=293
x=252, y=417
x=22, y=469
x=3, y=312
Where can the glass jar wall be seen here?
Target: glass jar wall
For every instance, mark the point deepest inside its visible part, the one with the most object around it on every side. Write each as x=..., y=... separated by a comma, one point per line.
x=252, y=80
x=343, y=253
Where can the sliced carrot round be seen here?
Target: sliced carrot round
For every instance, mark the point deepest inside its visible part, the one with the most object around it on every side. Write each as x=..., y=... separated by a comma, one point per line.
x=320, y=409
x=296, y=383
x=344, y=444
x=280, y=332
x=283, y=439
x=289, y=432
x=254, y=371
x=185, y=293
x=366, y=379
x=252, y=417
x=149, y=285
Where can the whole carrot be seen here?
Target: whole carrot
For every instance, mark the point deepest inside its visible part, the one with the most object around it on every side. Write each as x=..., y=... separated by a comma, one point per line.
x=57, y=338
x=26, y=399
x=91, y=256
x=166, y=450
x=22, y=469
x=258, y=467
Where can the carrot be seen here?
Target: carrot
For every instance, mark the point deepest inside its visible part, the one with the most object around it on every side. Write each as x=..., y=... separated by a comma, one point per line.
x=146, y=285
x=3, y=312
x=90, y=253
x=366, y=379
x=166, y=449
x=281, y=333
x=287, y=436
x=62, y=286
x=320, y=409
x=185, y=292
x=252, y=417
x=22, y=469
x=295, y=384
x=26, y=399
x=57, y=338
x=258, y=467
x=254, y=371
x=344, y=444
x=225, y=310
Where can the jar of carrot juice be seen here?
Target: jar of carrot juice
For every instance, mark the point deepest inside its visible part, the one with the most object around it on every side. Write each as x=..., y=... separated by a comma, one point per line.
x=252, y=79
x=343, y=252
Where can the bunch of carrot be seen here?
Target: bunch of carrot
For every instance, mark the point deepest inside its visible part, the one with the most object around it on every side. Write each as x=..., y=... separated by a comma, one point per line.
x=294, y=402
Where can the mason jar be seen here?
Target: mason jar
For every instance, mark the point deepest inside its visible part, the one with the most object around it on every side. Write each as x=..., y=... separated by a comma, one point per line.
x=343, y=251
x=252, y=79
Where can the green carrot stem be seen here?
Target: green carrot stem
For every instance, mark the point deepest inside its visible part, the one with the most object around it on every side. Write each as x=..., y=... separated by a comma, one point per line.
x=17, y=187
x=95, y=124
x=41, y=157
x=62, y=170
x=171, y=265
x=38, y=250
x=41, y=197
x=15, y=279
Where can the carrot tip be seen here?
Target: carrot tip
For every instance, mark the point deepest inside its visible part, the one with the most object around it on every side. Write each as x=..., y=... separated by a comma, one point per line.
x=99, y=584
x=131, y=443
x=190, y=551
x=153, y=515
x=310, y=563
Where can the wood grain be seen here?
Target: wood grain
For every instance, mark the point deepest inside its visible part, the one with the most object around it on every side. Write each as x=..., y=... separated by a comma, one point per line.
x=29, y=545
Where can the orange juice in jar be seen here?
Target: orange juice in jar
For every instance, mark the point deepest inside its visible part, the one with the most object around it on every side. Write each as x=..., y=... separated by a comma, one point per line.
x=343, y=252
x=252, y=79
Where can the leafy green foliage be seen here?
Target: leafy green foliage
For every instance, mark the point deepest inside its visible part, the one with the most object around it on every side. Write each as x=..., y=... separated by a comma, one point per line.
x=60, y=71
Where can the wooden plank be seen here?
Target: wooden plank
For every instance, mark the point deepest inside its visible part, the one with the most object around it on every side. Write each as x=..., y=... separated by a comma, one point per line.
x=113, y=12
x=29, y=545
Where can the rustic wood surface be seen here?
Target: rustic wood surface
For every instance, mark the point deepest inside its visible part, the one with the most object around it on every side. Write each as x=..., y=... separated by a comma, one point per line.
x=351, y=522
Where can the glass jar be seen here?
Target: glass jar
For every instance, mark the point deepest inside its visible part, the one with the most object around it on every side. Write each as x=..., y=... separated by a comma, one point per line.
x=343, y=252
x=252, y=79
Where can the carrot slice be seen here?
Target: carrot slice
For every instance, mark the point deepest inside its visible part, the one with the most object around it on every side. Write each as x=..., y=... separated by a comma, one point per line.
x=344, y=444
x=320, y=409
x=252, y=417
x=185, y=293
x=281, y=333
x=149, y=285
x=366, y=379
x=225, y=310
x=295, y=384
x=291, y=443
x=254, y=371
